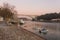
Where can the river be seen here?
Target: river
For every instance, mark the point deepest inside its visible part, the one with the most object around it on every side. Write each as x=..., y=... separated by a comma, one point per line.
x=53, y=29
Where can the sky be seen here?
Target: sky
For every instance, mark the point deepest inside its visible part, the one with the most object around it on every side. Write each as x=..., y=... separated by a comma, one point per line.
x=34, y=7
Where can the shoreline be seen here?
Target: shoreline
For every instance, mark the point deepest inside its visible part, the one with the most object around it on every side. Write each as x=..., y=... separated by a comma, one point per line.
x=50, y=21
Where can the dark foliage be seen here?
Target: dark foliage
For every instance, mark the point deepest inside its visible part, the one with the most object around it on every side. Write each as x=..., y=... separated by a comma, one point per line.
x=49, y=16
x=7, y=11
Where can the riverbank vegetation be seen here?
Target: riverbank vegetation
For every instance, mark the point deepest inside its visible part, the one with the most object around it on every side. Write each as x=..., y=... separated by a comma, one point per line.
x=7, y=11
x=50, y=17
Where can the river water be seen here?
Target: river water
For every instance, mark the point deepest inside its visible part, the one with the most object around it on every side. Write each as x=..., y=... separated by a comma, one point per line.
x=53, y=29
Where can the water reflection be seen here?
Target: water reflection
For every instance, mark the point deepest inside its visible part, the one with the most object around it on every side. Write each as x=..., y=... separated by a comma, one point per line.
x=53, y=29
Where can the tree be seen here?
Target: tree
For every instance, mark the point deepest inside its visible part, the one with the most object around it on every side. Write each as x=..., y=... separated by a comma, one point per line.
x=7, y=11
x=49, y=16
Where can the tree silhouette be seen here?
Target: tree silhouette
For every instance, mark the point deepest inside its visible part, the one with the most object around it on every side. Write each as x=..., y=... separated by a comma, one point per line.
x=7, y=11
x=49, y=16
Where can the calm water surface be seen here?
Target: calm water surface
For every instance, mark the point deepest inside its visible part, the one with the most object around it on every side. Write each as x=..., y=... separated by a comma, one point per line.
x=53, y=29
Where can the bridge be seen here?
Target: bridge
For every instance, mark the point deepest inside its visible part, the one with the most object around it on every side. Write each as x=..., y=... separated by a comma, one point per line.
x=29, y=16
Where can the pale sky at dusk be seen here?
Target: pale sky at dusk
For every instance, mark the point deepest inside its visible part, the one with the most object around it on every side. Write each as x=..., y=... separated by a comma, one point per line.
x=36, y=7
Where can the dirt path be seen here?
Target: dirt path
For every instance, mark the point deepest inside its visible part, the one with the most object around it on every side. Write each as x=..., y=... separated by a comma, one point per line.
x=17, y=33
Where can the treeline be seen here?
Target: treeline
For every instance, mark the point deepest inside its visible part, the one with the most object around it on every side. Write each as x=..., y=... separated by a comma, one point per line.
x=49, y=16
